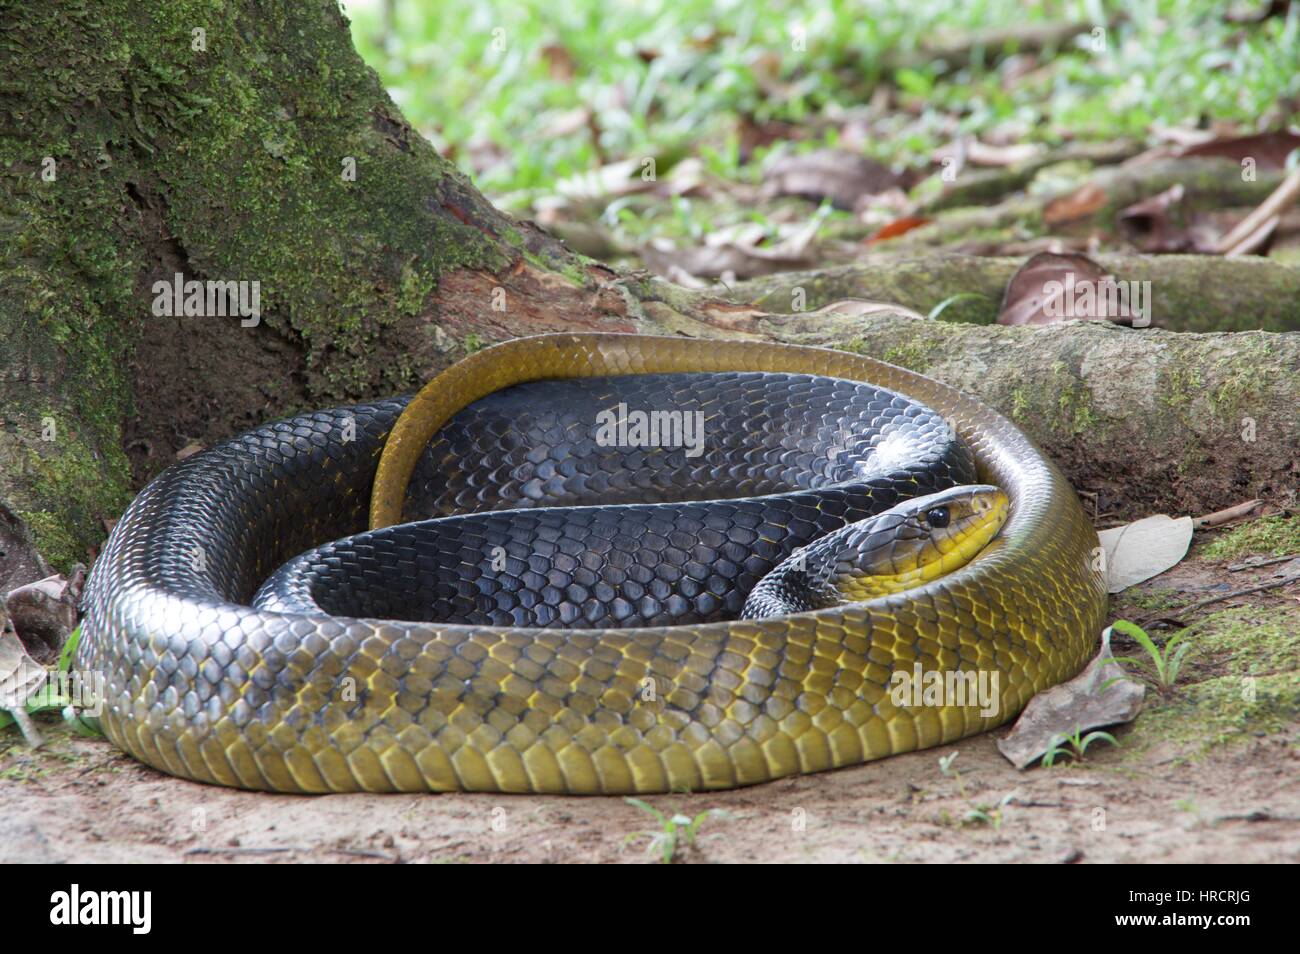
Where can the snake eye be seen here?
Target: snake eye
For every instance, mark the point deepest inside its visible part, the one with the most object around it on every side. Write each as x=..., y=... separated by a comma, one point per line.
x=937, y=517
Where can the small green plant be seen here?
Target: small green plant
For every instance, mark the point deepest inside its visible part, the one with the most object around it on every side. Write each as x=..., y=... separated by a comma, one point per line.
x=946, y=769
x=69, y=650
x=1163, y=668
x=675, y=831
x=980, y=813
x=991, y=815
x=1078, y=745
x=44, y=702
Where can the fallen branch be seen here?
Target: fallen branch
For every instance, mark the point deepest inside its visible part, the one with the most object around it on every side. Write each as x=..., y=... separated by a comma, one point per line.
x=1244, y=591
x=982, y=186
x=1256, y=564
x=1220, y=517
x=1208, y=183
x=1249, y=233
x=1255, y=240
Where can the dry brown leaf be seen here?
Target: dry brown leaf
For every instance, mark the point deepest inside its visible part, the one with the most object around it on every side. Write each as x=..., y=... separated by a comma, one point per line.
x=1183, y=136
x=1269, y=150
x=1079, y=204
x=20, y=678
x=559, y=62
x=983, y=154
x=1097, y=697
x=567, y=123
x=900, y=226
x=606, y=182
x=863, y=308
x=1145, y=548
x=754, y=134
x=726, y=261
x=834, y=174
x=736, y=253
x=1054, y=286
x=1152, y=224
x=45, y=612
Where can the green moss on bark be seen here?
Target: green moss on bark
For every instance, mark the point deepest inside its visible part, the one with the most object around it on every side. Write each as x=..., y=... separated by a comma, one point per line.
x=214, y=139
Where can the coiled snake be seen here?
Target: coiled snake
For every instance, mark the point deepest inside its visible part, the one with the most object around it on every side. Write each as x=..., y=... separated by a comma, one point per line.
x=591, y=646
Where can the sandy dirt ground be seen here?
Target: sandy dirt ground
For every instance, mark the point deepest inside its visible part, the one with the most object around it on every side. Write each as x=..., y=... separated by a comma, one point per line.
x=1202, y=776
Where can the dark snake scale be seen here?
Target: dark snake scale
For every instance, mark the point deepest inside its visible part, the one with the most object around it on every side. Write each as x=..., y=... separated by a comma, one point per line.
x=569, y=603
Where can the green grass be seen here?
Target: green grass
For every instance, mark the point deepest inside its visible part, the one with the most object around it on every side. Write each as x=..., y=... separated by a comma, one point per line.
x=1160, y=667
x=1074, y=746
x=671, y=79
x=1267, y=536
x=1243, y=683
x=675, y=831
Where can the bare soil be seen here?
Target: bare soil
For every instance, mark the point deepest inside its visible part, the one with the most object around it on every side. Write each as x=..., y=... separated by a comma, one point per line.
x=1193, y=780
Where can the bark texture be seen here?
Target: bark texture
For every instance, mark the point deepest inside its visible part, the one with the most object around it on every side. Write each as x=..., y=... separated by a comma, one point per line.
x=218, y=141
x=1201, y=293
x=1149, y=420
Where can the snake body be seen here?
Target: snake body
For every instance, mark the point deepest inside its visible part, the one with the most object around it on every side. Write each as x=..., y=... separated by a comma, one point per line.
x=590, y=647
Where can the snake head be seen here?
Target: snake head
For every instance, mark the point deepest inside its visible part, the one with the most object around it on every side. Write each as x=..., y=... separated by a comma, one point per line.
x=910, y=544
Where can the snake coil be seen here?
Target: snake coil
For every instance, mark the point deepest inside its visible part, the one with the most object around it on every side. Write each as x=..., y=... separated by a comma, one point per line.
x=204, y=684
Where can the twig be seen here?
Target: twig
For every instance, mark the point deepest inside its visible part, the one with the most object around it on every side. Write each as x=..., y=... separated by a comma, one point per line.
x=240, y=851
x=1255, y=239
x=1259, y=588
x=1258, y=815
x=1220, y=517
x=1253, y=564
x=1278, y=201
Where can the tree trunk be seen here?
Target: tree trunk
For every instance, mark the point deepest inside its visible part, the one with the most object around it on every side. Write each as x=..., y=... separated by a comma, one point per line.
x=237, y=141
x=245, y=141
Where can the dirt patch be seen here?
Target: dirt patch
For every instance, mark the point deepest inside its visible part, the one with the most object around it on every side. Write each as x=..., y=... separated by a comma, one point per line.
x=80, y=801
x=1206, y=774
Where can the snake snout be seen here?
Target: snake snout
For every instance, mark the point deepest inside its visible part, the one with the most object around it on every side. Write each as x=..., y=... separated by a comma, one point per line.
x=917, y=541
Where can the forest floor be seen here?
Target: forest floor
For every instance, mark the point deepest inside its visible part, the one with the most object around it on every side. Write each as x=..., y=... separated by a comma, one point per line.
x=1205, y=774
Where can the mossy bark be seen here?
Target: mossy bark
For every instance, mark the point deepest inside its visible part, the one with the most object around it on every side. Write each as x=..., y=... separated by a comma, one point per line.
x=1188, y=292
x=1208, y=183
x=229, y=141
x=983, y=186
x=1148, y=420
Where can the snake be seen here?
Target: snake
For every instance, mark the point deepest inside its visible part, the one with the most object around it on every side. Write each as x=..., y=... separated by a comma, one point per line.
x=520, y=579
